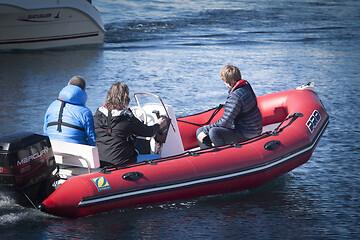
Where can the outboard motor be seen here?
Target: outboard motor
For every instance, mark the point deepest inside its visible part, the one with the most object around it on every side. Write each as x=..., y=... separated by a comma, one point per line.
x=27, y=164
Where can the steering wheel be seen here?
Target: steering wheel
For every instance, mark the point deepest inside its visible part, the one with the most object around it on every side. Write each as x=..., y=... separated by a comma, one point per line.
x=140, y=114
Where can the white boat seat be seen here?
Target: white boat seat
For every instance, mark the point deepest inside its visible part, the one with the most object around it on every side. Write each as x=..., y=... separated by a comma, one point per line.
x=77, y=155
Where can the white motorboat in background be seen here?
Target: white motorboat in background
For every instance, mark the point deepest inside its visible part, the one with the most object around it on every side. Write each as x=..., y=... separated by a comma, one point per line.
x=38, y=24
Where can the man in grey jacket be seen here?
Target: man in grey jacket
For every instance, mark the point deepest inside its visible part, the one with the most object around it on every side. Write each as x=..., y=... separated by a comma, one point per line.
x=242, y=118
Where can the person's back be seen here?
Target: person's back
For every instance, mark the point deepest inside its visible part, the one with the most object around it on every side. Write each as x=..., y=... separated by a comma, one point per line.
x=249, y=119
x=68, y=119
x=116, y=128
x=115, y=139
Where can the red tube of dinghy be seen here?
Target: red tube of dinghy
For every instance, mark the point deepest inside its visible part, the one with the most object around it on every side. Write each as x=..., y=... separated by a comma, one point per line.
x=72, y=190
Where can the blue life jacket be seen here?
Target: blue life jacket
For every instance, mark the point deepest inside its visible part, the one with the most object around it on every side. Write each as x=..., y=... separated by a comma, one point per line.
x=67, y=119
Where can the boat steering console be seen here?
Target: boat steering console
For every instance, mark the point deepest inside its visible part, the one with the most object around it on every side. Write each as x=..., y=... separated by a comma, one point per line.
x=148, y=114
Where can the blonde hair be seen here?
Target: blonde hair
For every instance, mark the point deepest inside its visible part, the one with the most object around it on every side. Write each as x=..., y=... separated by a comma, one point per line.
x=118, y=97
x=230, y=74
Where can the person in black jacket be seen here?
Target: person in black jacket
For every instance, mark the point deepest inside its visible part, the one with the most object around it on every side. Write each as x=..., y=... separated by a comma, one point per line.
x=242, y=118
x=115, y=127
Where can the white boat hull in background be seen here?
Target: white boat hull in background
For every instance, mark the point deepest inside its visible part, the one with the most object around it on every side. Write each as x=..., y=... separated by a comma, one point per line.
x=41, y=24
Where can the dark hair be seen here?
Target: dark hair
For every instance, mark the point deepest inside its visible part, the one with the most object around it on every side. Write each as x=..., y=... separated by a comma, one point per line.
x=78, y=81
x=117, y=96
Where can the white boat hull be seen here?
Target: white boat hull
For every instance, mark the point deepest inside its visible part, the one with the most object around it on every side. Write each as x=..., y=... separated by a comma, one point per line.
x=48, y=24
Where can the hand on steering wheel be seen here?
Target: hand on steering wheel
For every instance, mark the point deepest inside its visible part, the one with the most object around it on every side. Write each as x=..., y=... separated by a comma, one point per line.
x=162, y=122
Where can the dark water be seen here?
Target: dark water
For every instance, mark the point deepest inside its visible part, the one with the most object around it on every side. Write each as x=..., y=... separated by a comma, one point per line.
x=176, y=49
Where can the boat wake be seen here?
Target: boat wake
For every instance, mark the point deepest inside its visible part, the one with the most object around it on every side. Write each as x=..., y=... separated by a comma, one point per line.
x=12, y=213
x=213, y=27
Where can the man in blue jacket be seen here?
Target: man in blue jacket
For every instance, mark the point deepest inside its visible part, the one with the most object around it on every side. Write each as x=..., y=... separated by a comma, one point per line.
x=242, y=118
x=67, y=119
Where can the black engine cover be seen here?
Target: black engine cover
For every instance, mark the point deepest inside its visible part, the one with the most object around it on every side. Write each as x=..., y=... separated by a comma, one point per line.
x=25, y=159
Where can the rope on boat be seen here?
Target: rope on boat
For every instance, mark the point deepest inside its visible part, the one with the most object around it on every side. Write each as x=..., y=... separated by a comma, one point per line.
x=29, y=199
x=216, y=111
x=294, y=116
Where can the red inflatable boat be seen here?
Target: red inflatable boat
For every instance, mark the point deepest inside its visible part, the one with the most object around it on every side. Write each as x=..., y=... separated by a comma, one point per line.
x=294, y=122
